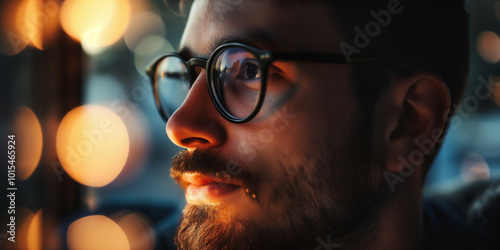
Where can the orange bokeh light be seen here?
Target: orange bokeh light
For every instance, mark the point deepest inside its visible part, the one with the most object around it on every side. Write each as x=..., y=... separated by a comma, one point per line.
x=28, y=230
x=96, y=232
x=39, y=19
x=134, y=119
x=496, y=85
x=92, y=145
x=29, y=22
x=15, y=39
x=143, y=24
x=475, y=168
x=35, y=232
x=29, y=142
x=489, y=46
x=35, y=34
x=138, y=230
x=95, y=23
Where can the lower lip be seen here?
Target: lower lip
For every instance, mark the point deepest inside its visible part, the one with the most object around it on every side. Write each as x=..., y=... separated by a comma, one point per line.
x=209, y=192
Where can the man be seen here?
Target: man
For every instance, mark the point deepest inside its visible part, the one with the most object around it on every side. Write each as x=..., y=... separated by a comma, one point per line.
x=311, y=124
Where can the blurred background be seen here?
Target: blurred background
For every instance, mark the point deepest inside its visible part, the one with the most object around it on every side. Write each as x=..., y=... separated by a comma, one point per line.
x=92, y=157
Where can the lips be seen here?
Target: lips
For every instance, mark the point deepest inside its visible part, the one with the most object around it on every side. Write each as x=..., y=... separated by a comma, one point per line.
x=209, y=188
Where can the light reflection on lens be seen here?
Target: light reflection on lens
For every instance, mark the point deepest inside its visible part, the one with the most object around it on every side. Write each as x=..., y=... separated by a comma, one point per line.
x=172, y=83
x=236, y=81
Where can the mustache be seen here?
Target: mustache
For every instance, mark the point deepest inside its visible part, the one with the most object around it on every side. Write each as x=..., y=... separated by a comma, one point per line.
x=207, y=163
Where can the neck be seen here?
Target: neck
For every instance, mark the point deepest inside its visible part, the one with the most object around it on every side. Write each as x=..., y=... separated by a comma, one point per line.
x=400, y=221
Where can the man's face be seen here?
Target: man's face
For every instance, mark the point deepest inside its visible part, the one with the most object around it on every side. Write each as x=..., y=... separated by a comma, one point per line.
x=299, y=170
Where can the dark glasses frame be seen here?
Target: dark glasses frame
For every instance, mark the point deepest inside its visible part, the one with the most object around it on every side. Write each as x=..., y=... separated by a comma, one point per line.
x=264, y=58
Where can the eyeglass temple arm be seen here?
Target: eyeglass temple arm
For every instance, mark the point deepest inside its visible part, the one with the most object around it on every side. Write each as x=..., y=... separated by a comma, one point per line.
x=328, y=58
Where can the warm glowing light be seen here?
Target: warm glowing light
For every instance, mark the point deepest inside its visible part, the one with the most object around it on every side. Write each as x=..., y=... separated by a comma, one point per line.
x=92, y=145
x=496, y=85
x=41, y=21
x=134, y=120
x=148, y=48
x=29, y=22
x=475, y=168
x=32, y=8
x=143, y=24
x=35, y=232
x=96, y=232
x=489, y=46
x=29, y=142
x=23, y=220
x=15, y=39
x=96, y=23
x=138, y=230
x=138, y=6
x=101, y=89
x=90, y=199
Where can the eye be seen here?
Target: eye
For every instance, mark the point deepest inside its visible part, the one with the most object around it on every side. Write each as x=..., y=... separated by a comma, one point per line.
x=174, y=75
x=249, y=71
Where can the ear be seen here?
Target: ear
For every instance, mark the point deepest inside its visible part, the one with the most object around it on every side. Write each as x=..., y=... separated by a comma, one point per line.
x=409, y=118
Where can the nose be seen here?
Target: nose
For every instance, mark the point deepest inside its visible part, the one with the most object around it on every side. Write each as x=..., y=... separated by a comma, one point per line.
x=197, y=123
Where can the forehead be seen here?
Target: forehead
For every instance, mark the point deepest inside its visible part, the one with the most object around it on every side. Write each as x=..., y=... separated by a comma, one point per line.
x=290, y=25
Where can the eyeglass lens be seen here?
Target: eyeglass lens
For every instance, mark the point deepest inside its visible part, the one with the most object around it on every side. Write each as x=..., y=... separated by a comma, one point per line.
x=235, y=79
x=172, y=83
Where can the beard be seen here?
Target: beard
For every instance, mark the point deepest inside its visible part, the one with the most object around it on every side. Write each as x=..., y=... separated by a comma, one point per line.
x=329, y=199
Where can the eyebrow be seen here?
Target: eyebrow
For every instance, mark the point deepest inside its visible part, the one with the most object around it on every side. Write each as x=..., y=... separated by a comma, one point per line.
x=258, y=39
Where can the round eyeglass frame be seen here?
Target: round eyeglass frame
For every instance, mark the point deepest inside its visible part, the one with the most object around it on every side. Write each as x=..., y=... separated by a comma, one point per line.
x=263, y=57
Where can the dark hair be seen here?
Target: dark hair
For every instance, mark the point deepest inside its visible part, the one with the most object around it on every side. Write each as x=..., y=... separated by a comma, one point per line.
x=424, y=36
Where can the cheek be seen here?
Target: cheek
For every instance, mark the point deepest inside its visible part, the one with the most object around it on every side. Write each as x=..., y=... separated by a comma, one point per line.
x=325, y=104
x=317, y=117
x=314, y=122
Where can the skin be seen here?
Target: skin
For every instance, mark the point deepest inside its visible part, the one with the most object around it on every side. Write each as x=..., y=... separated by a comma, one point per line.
x=312, y=158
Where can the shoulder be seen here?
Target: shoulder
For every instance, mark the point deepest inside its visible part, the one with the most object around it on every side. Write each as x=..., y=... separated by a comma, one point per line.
x=467, y=217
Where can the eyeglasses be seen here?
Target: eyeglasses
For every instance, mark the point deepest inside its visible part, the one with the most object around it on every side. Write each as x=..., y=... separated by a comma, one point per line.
x=238, y=76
